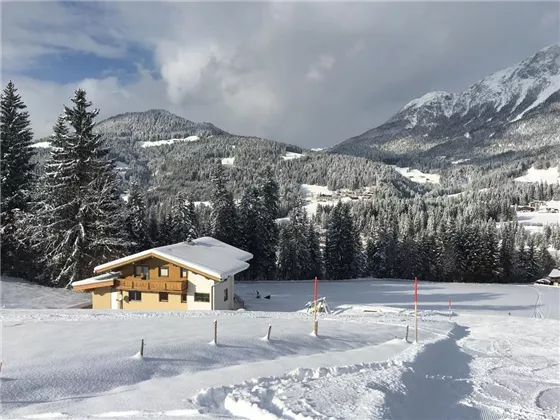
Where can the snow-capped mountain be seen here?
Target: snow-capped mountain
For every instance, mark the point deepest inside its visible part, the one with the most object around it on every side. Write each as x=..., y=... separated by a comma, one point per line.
x=522, y=97
x=154, y=124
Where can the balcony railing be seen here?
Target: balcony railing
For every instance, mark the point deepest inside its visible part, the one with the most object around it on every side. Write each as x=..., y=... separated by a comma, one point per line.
x=152, y=285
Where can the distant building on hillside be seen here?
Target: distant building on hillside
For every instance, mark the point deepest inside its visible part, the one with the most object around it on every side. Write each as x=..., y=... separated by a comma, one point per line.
x=525, y=209
x=185, y=276
x=555, y=275
x=537, y=204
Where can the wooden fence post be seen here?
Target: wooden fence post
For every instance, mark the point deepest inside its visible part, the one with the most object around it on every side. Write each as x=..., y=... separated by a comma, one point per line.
x=268, y=334
x=142, y=348
x=406, y=336
x=215, y=331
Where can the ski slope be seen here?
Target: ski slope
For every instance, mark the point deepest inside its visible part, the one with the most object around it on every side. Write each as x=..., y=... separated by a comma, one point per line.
x=494, y=355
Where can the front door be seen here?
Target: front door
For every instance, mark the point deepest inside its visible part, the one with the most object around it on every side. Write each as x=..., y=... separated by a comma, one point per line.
x=114, y=300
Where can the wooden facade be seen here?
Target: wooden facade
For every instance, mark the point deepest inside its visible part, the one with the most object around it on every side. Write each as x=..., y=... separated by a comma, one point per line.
x=153, y=275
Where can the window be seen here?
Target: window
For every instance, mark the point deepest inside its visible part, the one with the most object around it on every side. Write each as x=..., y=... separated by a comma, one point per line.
x=143, y=271
x=184, y=298
x=163, y=296
x=164, y=271
x=225, y=295
x=183, y=273
x=202, y=297
x=132, y=296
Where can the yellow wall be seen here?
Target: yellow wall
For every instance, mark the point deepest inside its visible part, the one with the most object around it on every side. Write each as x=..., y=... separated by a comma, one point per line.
x=150, y=301
x=101, y=298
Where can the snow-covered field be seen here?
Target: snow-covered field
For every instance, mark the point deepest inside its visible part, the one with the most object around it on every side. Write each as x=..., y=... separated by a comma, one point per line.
x=496, y=355
x=170, y=141
x=292, y=155
x=42, y=144
x=534, y=221
x=550, y=175
x=417, y=176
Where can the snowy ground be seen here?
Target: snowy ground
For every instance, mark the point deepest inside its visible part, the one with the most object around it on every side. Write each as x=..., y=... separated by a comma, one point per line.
x=550, y=175
x=535, y=220
x=418, y=176
x=476, y=362
x=156, y=143
x=292, y=155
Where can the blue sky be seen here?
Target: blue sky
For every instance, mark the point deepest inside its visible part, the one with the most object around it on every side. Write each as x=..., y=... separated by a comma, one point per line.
x=70, y=66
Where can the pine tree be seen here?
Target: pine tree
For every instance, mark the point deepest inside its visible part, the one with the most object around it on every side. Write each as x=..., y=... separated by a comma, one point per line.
x=16, y=175
x=184, y=220
x=341, y=246
x=530, y=262
x=251, y=215
x=223, y=217
x=545, y=261
x=507, y=253
x=286, y=254
x=371, y=251
x=153, y=230
x=270, y=204
x=136, y=220
x=333, y=243
x=314, y=251
x=81, y=217
x=165, y=230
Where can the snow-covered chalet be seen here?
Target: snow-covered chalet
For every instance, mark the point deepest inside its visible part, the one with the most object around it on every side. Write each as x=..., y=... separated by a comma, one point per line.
x=195, y=275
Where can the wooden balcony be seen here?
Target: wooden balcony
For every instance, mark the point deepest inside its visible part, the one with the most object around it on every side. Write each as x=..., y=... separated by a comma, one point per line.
x=151, y=285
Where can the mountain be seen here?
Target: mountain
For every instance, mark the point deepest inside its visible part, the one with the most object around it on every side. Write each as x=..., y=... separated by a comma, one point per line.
x=167, y=154
x=515, y=110
x=154, y=124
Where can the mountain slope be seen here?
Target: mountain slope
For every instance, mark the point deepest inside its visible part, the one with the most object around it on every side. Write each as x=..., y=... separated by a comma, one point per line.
x=182, y=156
x=153, y=124
x=512, y=110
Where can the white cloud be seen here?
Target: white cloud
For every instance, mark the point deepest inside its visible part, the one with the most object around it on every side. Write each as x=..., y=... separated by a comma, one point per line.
x=32, y=30
x=247, y=67
x=318, y=69
x=182, y=67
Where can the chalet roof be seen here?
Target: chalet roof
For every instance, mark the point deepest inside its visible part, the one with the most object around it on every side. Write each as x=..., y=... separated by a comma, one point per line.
x=111, y=275
x=207, y=255
x=554, y=273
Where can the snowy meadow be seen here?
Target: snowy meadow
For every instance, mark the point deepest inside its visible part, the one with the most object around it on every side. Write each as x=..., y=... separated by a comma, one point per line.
x=494, y=355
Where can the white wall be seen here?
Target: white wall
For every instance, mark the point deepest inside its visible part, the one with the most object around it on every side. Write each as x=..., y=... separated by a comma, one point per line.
x=198, y=284
x=219, y=303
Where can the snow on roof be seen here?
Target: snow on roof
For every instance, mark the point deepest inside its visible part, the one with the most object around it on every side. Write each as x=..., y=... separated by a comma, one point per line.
x=207, y=255
x=98, y=279
x=554, y=273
